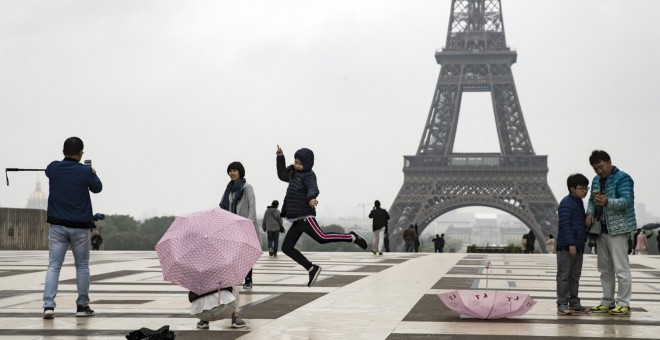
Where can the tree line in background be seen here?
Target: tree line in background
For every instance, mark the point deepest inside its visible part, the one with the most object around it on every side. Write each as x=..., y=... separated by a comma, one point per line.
x=123, y=232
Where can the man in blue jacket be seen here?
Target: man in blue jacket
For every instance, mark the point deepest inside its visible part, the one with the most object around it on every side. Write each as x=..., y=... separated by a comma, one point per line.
x=612, y=202
x=71, y=221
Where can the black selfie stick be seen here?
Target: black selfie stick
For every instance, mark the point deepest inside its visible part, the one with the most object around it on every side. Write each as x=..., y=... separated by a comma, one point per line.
x=17, y=169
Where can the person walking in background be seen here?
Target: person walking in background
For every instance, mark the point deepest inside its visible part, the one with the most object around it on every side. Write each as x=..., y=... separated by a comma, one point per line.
x=634, y=241
x=71, y=220
x=657, y=238
x=550, y=244
x=272, y=225
x=379, y=226
x=612, y=202
x=642, y=247
x=571, y=238
x=97, y=240
x=386, y=240
x=299, y=207
x=530, y=241
x=417, y=243
x=439, y=243
x=409, y=236
x=239, y=199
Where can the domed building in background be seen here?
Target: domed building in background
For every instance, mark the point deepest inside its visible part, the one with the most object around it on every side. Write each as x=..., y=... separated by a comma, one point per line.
x=38, y=199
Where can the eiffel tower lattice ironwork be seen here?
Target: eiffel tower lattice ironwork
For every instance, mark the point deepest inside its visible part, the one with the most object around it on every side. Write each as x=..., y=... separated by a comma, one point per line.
x=437, y=180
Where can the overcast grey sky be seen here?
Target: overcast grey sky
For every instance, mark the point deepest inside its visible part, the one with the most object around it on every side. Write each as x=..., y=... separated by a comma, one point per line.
x=165, y=94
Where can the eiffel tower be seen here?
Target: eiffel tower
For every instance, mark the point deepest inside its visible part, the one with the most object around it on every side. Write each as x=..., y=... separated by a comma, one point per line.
x=437, y=180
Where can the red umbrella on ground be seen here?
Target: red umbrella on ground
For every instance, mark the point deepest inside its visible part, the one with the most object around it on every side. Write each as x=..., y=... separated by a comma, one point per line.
x=207, y=250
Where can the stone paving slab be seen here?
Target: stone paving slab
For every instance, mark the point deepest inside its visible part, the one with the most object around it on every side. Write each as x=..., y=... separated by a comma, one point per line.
x=358, y=296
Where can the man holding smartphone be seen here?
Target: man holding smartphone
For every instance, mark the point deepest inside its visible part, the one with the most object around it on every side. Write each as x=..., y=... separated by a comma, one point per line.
x=71, y=221
x=612, y=202
x=379, y=227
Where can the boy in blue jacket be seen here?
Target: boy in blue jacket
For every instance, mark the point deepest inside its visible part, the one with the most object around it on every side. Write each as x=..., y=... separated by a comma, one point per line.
x=571, y=237
x=299, y=207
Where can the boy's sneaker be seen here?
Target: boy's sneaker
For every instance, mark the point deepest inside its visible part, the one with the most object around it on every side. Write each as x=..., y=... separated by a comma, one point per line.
x=203, y=324
x=237, y=322
x=620, y=310
x=580, y=309
x=84, y=311
x=359, y=240
x=313, y=274
x=49, y=313
x=373, y=251
x=380, y=253
x=563, y=310
x=600, y=309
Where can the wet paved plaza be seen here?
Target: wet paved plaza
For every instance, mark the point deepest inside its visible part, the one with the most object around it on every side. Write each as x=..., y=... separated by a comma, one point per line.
x=357, y=296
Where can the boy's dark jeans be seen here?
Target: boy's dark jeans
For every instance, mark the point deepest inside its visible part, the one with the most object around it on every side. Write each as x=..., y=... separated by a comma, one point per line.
x=569, y=269
x=273, y=240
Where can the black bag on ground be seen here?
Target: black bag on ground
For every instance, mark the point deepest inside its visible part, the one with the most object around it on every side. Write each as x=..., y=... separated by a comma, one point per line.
x=143, y=333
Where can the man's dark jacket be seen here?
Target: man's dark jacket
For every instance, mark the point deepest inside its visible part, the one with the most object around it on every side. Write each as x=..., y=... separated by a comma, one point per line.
x=69, y=203
x=380, y=218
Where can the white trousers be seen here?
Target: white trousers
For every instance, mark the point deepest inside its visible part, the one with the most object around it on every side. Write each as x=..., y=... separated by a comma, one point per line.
x=378, y=241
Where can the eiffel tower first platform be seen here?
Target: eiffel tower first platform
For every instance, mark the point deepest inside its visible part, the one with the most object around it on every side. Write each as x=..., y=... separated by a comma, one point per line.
x=475, y=58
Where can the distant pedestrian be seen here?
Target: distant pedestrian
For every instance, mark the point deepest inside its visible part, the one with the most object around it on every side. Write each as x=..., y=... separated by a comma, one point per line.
x=642, y=245
x=591, y=243
x=571, y=236
x=97, y=240
x=530, y=240
x=386, y=240
x=299, y=207
x=239, y=199
x=550, y=244
x=272, y=225
x=439, y=243
x=379, y=226
x=634, y=241
x=71, y=220
x=409, y=236
x=417, y=243
x=657, y=238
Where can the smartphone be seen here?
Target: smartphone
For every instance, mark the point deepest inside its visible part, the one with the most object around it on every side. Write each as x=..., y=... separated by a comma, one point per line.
x=88, y=162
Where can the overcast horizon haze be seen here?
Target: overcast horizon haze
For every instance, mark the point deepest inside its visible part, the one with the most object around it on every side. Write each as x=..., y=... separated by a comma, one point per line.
x=165, y=94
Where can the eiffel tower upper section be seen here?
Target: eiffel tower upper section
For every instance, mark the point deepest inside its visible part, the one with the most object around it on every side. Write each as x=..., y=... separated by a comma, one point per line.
x=475, y=58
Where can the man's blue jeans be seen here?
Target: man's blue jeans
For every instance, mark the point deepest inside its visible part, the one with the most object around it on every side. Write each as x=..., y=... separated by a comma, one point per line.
x=410, y=246
x=59, y=239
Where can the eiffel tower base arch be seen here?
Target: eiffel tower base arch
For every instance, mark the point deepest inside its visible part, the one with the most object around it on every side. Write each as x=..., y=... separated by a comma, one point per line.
x=514, y=184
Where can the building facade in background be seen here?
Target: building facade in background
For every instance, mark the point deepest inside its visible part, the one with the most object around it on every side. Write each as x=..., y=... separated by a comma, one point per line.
x=23, y=229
